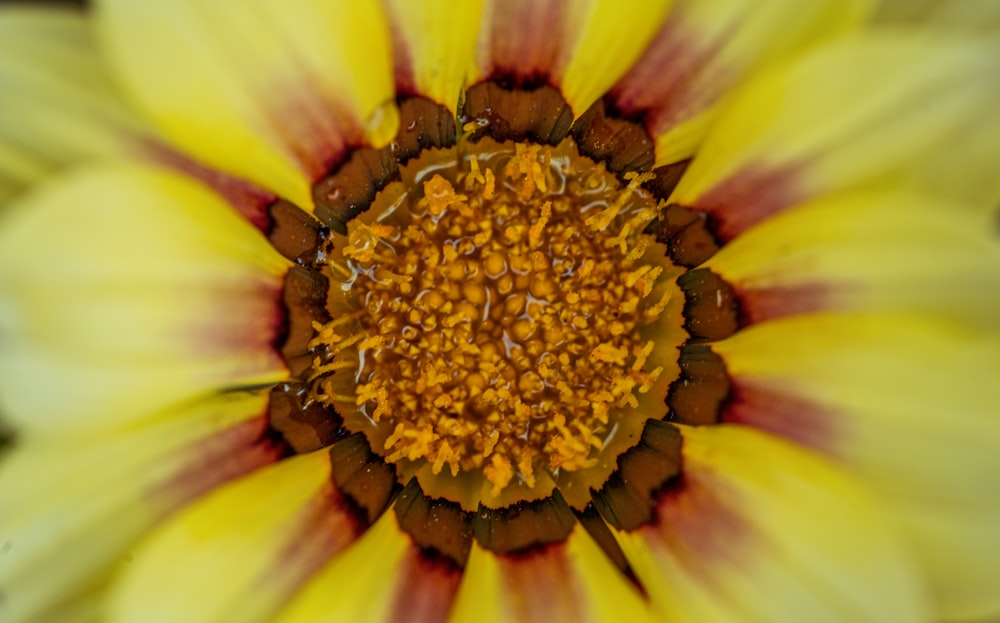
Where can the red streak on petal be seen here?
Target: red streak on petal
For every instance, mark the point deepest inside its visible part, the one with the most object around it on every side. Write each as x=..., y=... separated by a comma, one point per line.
x=664, y=83
x=695, y=526
x=321, y=530
x=425, y=588
x=748, y=197
x=526, y=38
x=776, y=411
x=247, y=199
x=406, y=82
x=760, y=304
x=541, y=585
x=217, y=459
x=319, y=132
x=246, y=327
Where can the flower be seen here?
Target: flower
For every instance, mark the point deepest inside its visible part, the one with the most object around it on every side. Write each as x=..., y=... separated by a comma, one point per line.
x=779, y=404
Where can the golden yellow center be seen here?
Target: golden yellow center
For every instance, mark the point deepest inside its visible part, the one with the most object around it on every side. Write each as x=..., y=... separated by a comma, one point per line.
x=496, y=317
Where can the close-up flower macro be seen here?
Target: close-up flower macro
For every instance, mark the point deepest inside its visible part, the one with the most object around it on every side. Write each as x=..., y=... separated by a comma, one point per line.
x=500, y=310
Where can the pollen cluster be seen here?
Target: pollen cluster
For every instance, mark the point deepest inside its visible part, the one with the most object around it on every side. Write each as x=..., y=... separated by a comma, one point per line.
x=491, y=319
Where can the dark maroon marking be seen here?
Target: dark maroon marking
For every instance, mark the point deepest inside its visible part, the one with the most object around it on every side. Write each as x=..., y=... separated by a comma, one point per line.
x=423, y=124
x=711, y=309
x=524, y=525
x=508, y=113
x=775, y=411
x=591, y=520
x=436, y=525
x=304, y=424
x=621, y=144
x=626, y=499
x=363, y=477
x=246, y=198
x=700, y=393
x=351, y=187
x=426, y=586
x=750, y=196
x=293, y=233
x=760, y=304
x=304, y=298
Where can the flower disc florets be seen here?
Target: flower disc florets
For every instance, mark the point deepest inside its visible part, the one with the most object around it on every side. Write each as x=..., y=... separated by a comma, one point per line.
x=494, y=319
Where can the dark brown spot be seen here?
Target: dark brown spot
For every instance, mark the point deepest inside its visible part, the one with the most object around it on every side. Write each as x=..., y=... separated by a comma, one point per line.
x=621, y=144
x=293, y=233
x=350, y=189
x=687, y=234
x=516, y=114
x=524, y=525
x=667, y=178
x=303, y=424
x=700, y=392
x=711, y=309
x=627, y=499
x=362, y=476
x=304, y=298
x=423, y=124
x=437, y=525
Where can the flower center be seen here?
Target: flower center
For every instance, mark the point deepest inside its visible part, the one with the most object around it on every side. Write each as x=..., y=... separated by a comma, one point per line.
x=499, y=316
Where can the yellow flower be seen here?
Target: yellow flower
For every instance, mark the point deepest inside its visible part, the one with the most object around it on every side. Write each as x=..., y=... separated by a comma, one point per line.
x=744, y=344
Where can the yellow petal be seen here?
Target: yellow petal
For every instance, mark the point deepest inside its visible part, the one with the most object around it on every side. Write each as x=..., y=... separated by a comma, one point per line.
x=912, y=109
x=59, y=105
x=18, y=169
x=271, y=91
x=611, y=37
x=238, y=553
x=708, y=46
x=868, y=250
x=383, y=577
x=760, y=530
x=434, y=41
x=566, y=582
x=125, y=290
x=966, y=16
x=908, y=404
x=72, y=506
